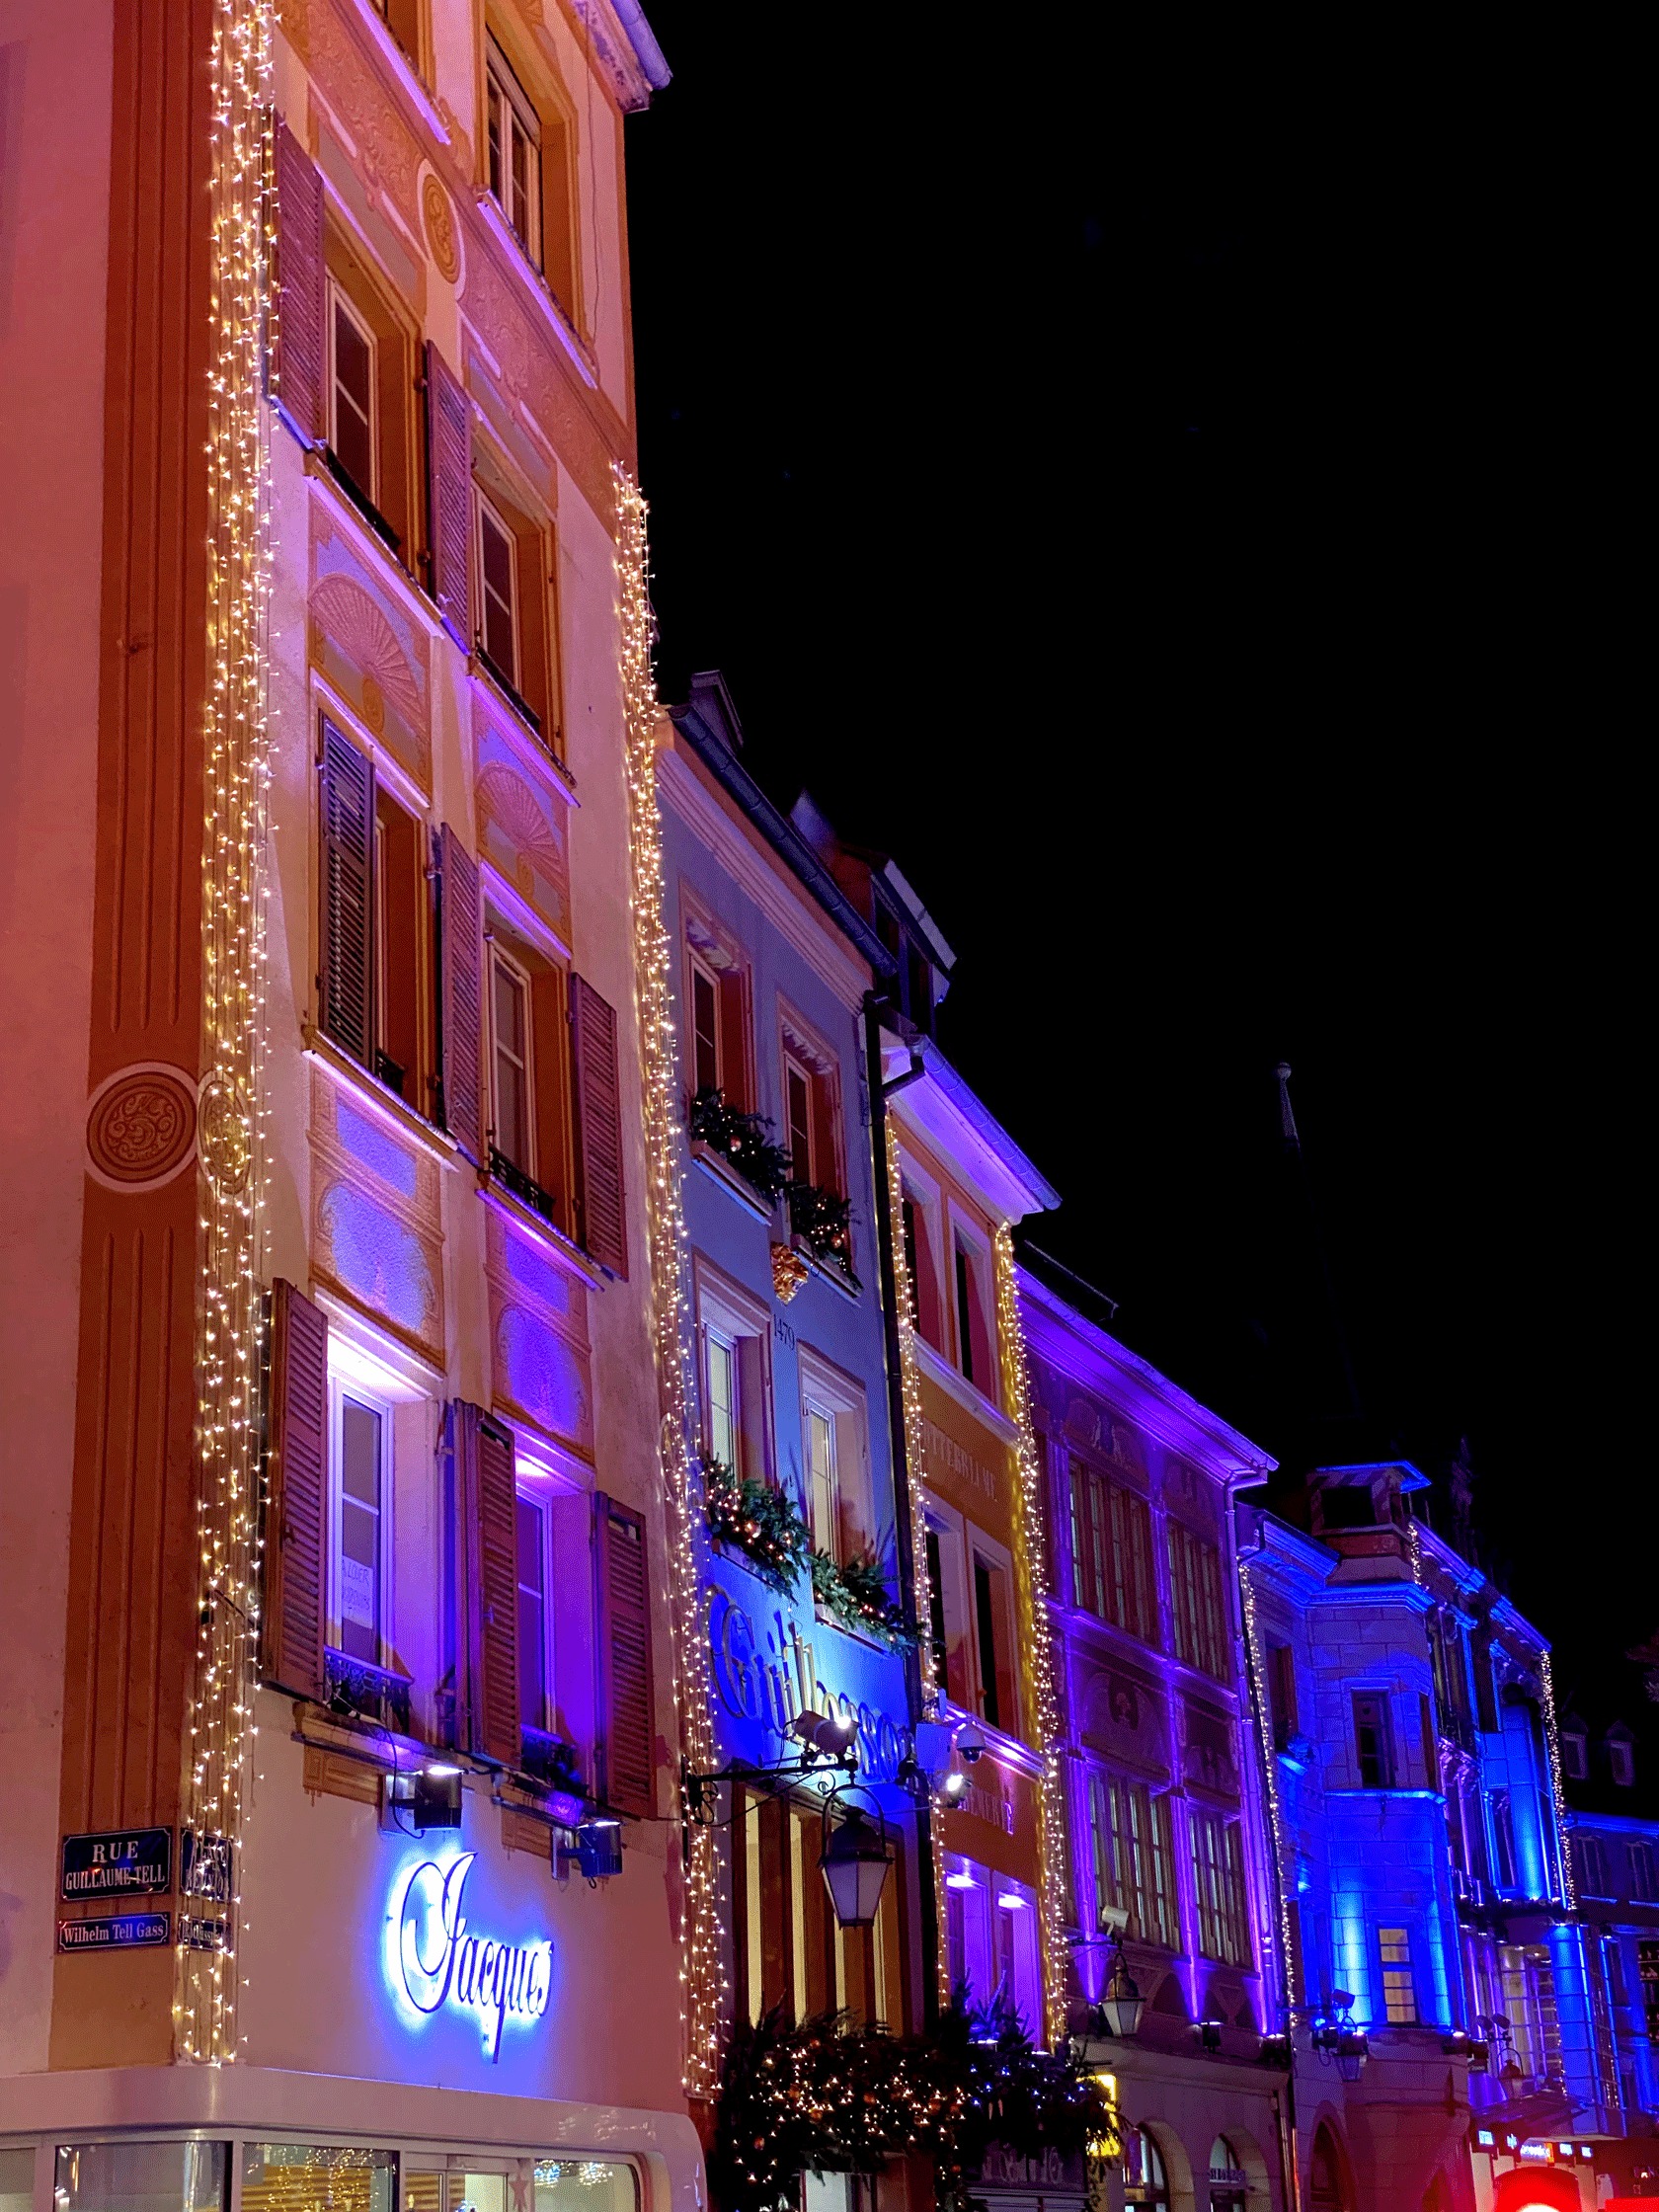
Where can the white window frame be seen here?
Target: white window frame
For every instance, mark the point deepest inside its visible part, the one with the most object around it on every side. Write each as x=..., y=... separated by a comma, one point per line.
x=337, y=297
x=699, y=964
x=537, y=1495
x=344, y=1385
x=481, y=502
x=727, y=1315
x=501, y=81
x=499, y=953
x=839, y=1399
x=1387, y=1966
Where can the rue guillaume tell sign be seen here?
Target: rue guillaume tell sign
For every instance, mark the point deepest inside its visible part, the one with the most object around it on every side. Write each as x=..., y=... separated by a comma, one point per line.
x=120, y=1863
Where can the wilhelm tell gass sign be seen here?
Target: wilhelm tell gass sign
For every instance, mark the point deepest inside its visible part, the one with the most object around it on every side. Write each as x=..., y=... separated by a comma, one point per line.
x=123, y=1931
x=123, y=1863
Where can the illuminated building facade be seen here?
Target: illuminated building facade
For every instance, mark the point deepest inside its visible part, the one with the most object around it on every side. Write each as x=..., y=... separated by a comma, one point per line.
x=1439, y=1976
x=388, y=1096
x=799, y=1551
x=1170, y=1857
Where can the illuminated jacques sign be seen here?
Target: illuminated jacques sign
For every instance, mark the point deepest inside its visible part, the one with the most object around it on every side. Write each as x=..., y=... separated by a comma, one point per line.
x=772, y=1676
x=436, y=1959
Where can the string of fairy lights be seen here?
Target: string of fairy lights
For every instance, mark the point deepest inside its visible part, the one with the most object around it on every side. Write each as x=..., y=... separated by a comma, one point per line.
x=1552, y=1737
x=230, y=1314
x=1270, y=1769
x=909, y=1378
x=1031, y=1582
x=702, y=1973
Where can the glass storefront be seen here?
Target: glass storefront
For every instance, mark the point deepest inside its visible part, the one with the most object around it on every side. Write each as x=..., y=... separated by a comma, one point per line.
x=179, y=2175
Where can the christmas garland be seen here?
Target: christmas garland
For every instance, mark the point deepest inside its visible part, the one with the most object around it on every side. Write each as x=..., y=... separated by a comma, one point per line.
x=829, y=2097
x=825, y=1220
x=744, y=1140
x=854, y=1591
x=759, y=1521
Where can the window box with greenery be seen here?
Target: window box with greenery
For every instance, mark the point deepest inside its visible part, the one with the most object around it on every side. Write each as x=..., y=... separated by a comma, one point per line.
x=854, y=1591
x=824, y=1224
x=742, y=1142
x=759, y=1521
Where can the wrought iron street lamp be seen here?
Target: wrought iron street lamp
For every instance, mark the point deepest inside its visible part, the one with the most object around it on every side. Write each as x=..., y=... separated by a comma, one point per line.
x=855, y=1862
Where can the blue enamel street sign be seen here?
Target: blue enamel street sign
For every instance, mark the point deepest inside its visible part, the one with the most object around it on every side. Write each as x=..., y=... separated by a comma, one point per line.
x=124, y=1862
x=119, y=1932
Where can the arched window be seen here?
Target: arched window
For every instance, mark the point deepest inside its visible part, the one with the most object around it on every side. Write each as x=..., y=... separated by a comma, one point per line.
x=1145, y=2182
x=1327, y=2179
x=1228, y=2178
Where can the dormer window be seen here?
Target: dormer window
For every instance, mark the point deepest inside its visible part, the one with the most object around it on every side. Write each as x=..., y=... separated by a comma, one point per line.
x=1575, y=1753
x=1621, y=1760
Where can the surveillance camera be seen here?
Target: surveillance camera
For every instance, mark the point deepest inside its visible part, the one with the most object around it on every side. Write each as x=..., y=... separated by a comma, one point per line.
x=970, y=1742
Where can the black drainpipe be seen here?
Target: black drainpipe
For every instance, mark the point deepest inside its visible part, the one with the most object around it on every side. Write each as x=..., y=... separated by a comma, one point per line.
x=886, y=1229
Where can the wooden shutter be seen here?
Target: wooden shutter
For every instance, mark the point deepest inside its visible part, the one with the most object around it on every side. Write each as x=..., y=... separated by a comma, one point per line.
x=461, y=991
x=597, y=1090
x=487, y=1568
x=299, y=359
x=348, y=856
x=627, y=1730
x=296, y=1508
x=449, y=495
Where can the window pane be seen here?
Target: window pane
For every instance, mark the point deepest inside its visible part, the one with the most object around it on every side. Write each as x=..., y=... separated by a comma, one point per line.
x=533, y=1613
x=523, y=158
x=821, y=1464
x=360, y=1531
x=499, y=625
x=985, y=1610
x=498, y=110
x=302, y=2177
x=584, y=2185
x=800, y=1125
x=965, y=1313
x=722, y=1401
x=705, y=1031
x=353, y=404
x=512, y=1094
x=142, y=2177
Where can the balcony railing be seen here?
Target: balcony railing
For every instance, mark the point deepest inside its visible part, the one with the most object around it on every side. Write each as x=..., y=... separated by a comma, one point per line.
x=525, y=1188
x=357, y=1690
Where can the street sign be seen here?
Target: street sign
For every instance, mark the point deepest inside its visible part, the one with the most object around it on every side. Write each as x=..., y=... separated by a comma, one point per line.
x=123, y=1931
x=122, y=1862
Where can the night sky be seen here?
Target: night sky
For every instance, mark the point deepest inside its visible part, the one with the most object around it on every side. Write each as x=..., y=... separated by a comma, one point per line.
x=1169, y=494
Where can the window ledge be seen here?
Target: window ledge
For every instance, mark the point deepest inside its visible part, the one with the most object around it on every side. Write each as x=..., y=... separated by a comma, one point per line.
x=828, y=1620
x=966, y=1395
x=712, y=1165
x=518, y=710
x=403, y=69
x=379, y=1097
x=552, y=314
x=553, y=1241
x=381, y=559
x=837, y=1279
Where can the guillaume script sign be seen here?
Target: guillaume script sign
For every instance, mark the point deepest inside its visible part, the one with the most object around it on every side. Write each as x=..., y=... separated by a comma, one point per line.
x=127, y=1862
x=437, y=1959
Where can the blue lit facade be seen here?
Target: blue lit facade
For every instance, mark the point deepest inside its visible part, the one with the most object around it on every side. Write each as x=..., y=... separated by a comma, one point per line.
x=1405, y=1715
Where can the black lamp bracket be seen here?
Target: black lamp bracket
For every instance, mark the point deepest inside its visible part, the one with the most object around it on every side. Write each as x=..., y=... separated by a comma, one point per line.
x=699, y=1788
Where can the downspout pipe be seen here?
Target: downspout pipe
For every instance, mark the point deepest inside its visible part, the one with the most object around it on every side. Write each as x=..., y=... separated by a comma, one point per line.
x=927, y=1914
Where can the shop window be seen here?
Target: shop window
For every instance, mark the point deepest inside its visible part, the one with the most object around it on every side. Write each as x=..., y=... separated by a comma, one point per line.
x=535, y=1703
x=836, y=1459
x=1218, y=1866
x=530, y=1134
x=1228, y=2183
x=1373, y=1739
x=1145, y=2183
x=1112, y=1552
x=140, y=2177
x=1134, y=1858
x=374, y=978
x=1399, y=1992
x=733, y=1337
x=529, y=144
x=278, y=2176
x=1016, y=1978
x=1197, y=1606
x=993, y=1642
x=1281, y=1693
x=585, y=2184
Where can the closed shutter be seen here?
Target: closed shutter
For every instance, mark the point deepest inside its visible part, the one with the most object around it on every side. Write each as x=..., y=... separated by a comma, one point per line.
x=348, y=855
x=627, y=1733
x=296, y=1508
x=487, y=1572
x=302, y=350
x=460, y=991
x=604, y=1225
x=449, y=495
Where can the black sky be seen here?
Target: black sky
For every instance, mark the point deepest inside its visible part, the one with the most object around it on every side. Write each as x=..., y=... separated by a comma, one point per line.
x=1177, y=492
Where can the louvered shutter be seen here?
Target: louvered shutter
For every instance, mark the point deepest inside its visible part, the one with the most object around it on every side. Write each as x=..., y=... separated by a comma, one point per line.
x=449, y=495
x=347, y=854
x=487, y=1574
x=461, y=991
x=296, y=1510
x=300, y=356
x=627, y=1732
x=604, y=1225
